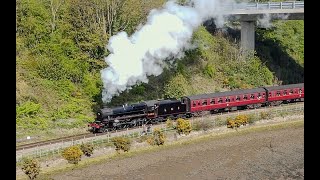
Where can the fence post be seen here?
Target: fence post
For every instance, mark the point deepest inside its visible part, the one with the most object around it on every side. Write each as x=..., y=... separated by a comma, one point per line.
x=293, y=5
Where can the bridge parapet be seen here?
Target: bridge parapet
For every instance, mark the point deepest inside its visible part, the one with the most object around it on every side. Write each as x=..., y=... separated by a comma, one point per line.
x=264, y=6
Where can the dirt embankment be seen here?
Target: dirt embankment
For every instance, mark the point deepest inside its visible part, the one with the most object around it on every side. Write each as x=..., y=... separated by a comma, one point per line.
x=276, y=153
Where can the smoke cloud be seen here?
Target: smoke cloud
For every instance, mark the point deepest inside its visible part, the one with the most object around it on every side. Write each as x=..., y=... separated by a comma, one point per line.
x=166, y=35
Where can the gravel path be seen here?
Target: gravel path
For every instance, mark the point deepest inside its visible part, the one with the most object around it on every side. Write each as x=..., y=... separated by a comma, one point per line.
x=272, y=154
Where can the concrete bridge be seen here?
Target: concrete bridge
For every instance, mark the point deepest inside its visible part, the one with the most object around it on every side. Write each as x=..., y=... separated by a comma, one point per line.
x=249, y=13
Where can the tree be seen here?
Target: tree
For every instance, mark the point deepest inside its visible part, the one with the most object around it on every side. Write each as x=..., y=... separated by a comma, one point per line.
x=177, y=87
x=72, y=154
x=54, y=7
x=31, y=167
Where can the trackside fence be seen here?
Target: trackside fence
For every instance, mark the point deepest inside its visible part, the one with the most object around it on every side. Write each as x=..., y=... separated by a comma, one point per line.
x=216, y=120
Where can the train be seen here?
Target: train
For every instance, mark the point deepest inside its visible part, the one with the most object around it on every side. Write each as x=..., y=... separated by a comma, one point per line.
x=156, y=111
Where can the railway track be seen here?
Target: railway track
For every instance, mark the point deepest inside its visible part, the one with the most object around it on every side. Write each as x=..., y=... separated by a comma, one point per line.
x=88, y=135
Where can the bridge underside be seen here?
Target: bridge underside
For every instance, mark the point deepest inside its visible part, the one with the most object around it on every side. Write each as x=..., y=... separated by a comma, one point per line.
x=248, y=25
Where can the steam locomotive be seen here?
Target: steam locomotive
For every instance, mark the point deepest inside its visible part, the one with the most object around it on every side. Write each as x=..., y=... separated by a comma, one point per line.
x=155, y=111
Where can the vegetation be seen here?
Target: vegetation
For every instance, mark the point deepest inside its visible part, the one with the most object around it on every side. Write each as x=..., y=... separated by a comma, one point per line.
x=183, y=126
x=60, y=50
x=31, y=167
x=169, y=123
x=72, y=154
x=121, y=143
x=87, y=149
x=238, y=121
x=157, y=138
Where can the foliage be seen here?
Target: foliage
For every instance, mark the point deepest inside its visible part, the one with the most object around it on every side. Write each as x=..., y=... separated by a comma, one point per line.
x=72, y=154
x=183, y=126
x=265, y=115
x=158, y=137
x=31, y=167
x=169, y=123
x=28, y=109
x=87, y=149
x=201, y=125
x=176, y=87
x=283, y=55
x=61, y=50
x=121, y=143
x=237, y=121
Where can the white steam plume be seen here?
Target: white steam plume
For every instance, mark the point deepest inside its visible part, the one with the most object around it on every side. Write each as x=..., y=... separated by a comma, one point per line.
x=166, y=34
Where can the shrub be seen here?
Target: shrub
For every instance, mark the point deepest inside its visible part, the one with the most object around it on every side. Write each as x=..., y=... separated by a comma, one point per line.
x=183, y=126
x=87, y=149
x=169, y=123
x=241, y=119
x=72, y=154
x=121, y=143
x=252, y=118
x=265, y=115
x=158, y=137
x=238, y=121
x=231, y=123
x=31, y=167
x=201, y=125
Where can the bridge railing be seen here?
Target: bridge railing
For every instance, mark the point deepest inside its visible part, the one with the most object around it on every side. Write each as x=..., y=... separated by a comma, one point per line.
x=266, y=5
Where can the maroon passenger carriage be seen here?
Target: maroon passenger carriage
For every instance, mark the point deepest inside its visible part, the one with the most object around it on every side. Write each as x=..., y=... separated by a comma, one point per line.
x=285, y=93
x=222, y=101
x=239, y=99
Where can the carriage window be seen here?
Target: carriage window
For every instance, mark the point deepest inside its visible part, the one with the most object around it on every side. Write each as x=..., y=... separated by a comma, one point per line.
x=291, y=91
x=204, y=102
x=220, y=100
x=270, y=94
x=259, y=95
x=212, y=101
x=300, y=91
x=237, y=98
x=198, y=103
x=252, y=96
x=285, y=92
x=227, y=99
x=194, y=104
x=172, y=109
x=245, y=97
x=178, y=107
x=165, y=110
x=278, y=93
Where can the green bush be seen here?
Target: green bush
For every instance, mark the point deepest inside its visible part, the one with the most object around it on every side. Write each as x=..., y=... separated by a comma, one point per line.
x=87, y=149
x=121, y=143
x=31, y=167
x=28, y=109
x=72, y=154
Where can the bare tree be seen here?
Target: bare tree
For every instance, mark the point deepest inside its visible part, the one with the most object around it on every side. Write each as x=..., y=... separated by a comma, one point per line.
x=54, y=7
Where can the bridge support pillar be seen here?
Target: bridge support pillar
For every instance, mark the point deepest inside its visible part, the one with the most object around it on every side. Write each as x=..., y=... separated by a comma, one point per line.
x=247, y=36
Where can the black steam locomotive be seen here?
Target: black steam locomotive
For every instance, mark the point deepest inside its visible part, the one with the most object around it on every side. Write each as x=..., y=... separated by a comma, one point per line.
x=155, y=111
